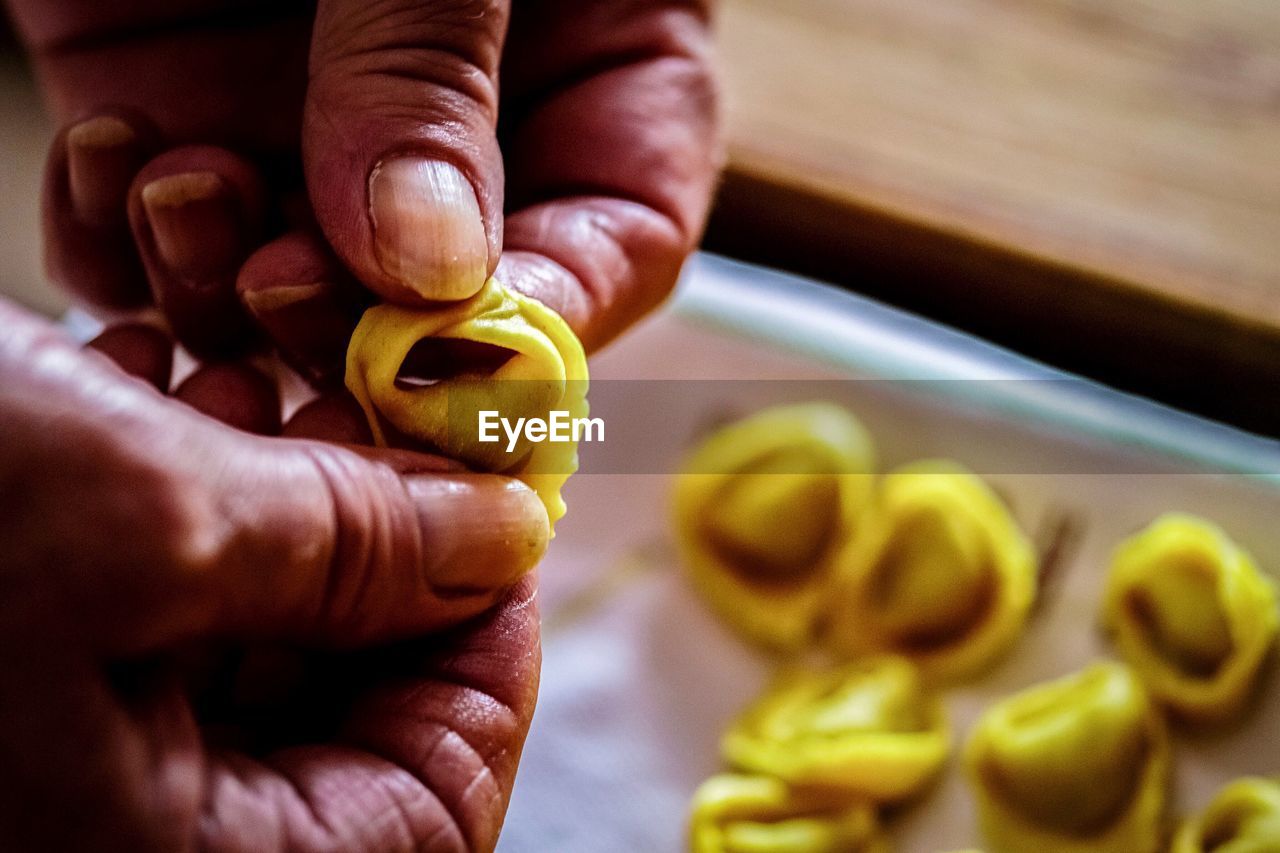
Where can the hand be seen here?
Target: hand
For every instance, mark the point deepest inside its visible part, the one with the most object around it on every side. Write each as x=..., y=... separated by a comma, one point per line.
x=160, y=573
x=590, y=175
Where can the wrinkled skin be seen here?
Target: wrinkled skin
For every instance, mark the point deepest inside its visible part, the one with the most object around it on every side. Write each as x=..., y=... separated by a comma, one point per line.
x=164, y=681
x=126, y=722
x=592, y=169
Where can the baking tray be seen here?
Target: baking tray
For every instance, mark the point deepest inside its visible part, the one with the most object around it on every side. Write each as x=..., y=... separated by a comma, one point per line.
x=639, y=678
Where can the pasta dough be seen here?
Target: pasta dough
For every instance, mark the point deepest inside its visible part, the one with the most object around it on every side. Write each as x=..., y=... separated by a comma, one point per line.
x=761, y=511
x=942, y=574
x=1078, y=764
x=526, y=362
x=1244, y=817
x=1192, y=614
x=868, y=728
x=757, y=814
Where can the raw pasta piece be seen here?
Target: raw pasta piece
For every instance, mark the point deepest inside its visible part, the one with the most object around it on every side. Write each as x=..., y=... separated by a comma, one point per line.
x=868, y=728
x=1192, y=615
x=497, y=351
x=1074, y=765
x=762, y=508
x=941, y=575
x=1244, y=817
x=732, y=813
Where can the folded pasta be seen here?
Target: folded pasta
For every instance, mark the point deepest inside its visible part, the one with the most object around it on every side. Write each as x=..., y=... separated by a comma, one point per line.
x=756, y=814
x=1192, y=615
x=498, y=351
x=762, y=508
x=1244, y=817
x=942, y=574
x=868, y=728
x=1077, y=765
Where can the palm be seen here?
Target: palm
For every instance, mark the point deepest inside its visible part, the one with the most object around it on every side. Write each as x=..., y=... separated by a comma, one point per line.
x=422, y=745
x=411, y=746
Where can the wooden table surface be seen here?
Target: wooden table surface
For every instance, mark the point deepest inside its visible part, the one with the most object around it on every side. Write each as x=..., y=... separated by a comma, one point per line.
x=1096, y=182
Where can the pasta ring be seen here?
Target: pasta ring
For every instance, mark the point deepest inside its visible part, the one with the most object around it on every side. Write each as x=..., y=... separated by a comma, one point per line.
x=542, y=369
x=762, y=509
x=1192, y=614
x=942, y=575
x=1076, y=765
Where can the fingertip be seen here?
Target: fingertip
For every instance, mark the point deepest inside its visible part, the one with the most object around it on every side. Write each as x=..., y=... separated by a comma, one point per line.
x=239, y=395
x=305, y=303
x=602, y=262
x=539, y=277
x=140, y=350
x=103, y=155
x=400, y=148
x=330, y=417
x=482, y=531
x=87, y=248
x=196, y=213
x=428, y=232
x=196, y=223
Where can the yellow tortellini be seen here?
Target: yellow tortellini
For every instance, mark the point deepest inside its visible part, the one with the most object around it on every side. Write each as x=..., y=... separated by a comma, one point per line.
x=1074, y=765
x=1244, y=817
x=496, y=351
x=868, y=728
x=941, y=574
x=1192, y=614
x=762, y=509
x=757, y=814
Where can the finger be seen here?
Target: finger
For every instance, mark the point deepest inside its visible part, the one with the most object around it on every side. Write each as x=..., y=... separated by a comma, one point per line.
x=186, y=529
x=348, y=551
x=399, y=146
x=434, y=747
x=239, y=395
x=139, y=350
x=331, y=417
x=318, y=545
x=612, y=152
x=305, y=302
x=87, y=247
x=196, y=214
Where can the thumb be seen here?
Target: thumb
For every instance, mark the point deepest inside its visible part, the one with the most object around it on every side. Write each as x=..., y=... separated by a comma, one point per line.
x=166, y=525
x=334, y=547
x=401, y=158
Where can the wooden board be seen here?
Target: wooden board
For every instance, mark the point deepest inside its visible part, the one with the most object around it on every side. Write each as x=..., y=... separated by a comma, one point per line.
x=1096, y=182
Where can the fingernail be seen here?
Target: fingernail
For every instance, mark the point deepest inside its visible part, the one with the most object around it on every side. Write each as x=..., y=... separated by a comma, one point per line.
x=309, y=323
x=427, y=229
x=196, y=223
x=103, y=155
x=481, y=532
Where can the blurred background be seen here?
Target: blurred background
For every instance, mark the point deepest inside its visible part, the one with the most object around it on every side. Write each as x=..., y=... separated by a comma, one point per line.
x=1095, y=183
x=24, y=138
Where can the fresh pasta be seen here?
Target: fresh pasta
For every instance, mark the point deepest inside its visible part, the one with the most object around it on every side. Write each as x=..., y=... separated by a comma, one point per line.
x=942, y=574
x=529, y=364
x=868, y=728
x=734, y=813
x=1076, y=765
x=1244, y=817
x=762, y=509
x=1192, y=615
